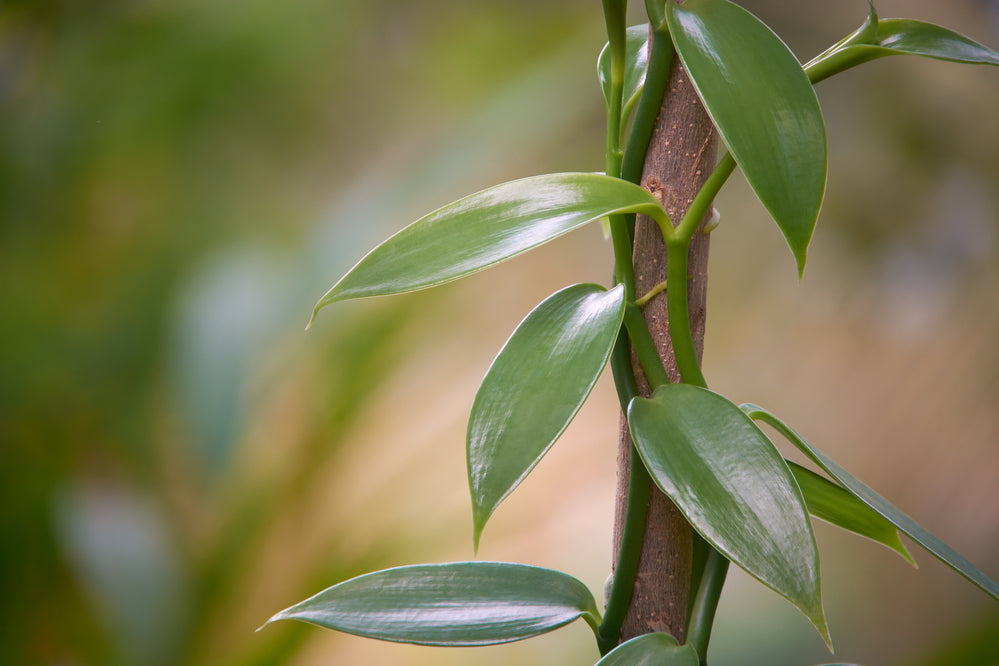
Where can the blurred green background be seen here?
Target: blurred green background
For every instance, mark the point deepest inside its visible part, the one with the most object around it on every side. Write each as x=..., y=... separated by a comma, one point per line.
x=180, y=181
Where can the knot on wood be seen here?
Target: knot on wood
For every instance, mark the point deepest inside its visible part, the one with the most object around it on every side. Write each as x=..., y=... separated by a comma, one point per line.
x=656, y=187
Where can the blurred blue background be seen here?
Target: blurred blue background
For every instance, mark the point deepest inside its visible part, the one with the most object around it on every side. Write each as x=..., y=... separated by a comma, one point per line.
x=180, y=181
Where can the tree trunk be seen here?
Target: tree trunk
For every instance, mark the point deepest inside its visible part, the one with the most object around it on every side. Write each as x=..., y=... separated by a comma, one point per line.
x=681, y=154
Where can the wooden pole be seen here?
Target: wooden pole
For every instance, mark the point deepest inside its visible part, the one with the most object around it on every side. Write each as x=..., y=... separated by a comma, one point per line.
x=681, y=154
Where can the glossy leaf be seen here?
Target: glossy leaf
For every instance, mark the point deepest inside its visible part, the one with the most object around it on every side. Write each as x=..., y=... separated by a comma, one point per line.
x=656, y=649
x=534, y=388
x=885, y=508
x=764, y=107
x=733, y=486
x=837, y=506
x=486, y=228
x=905, y=36
x=457, y=604
x=635, y=65
x=885, y=37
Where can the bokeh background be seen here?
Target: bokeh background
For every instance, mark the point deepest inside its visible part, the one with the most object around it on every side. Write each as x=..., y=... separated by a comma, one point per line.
x=180, y=181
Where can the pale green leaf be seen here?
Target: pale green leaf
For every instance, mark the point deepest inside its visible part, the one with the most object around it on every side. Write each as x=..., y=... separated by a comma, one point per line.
x=487, y=228
x=885, y=508
x=733, y=486
x=836, y=505
x=457, y=604
x=534, y=388
x=764, y=107
x=656, y=649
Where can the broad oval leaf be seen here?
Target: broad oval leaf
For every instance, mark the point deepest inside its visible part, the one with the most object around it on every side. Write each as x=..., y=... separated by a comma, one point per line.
x=636, y=64
x=836, y=505
x=534, y=388
x=656, y=649
x=486, y=228
x=733, y=486
x=764, y=107
x=456, y=604
x=893, y=514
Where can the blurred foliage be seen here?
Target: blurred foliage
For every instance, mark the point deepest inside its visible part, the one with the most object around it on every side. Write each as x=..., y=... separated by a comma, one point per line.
x=180, y=180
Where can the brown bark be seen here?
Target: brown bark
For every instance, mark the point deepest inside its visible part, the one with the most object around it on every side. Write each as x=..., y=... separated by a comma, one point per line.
x=680, y=157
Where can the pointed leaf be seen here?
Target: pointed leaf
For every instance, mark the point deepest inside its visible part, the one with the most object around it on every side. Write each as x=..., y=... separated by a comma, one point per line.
x=733, y=486
x=486, y=228
x=656, y=649
x=534, y=388
x=763, y=105
x=457, y=604
x=635, y=65
x=837, y=506
x=880, y=38
x=905, y=36
x=919, y=534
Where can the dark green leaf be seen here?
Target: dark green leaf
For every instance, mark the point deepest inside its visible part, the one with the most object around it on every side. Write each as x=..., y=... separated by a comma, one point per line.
x=836, y=505
x=733, y=486
x=486, y=228
x=763, y=106
x=534, y=388
x=890, y=512
x=635, y=65
x=457, y=604
x=657, y=649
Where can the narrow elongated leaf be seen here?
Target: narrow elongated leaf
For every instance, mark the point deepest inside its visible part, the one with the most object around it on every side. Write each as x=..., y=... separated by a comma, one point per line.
x=635, y=65
x=890, y=512
x=905, y=36
x=836, y=505
x=457, y=604
x=486, y=228
x=656, y=649
x=733, y=486
x=534, y=388
x=764, y=107
x=878, y=38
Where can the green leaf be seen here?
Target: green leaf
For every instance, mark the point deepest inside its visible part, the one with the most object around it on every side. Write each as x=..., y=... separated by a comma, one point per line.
x=534, y=388
x=656, y=649
x=457, y=604
x=635, y=65
x=733, y=486
x=764, y=107
x=880, y=38
x=836, y=505
x=908, y=37
x=486, y=228
x=917, y=532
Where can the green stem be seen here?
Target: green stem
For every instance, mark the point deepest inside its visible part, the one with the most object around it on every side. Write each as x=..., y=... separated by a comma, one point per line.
x=677, y=312
x=645, y=347
x=699, y=207
x=649, y=103
x=702, y=615
x=629, y=554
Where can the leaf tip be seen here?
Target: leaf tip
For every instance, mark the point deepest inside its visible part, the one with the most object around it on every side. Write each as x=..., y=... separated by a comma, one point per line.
x=819, y=621
x=273, y=618
x=478, y=524
x=799, y=260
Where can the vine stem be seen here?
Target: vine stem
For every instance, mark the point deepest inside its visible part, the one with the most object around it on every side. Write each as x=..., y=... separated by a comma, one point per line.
x=629, y=166
x=702, y=615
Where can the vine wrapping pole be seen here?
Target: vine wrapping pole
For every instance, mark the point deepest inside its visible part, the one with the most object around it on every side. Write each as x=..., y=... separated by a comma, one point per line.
x=679, y=159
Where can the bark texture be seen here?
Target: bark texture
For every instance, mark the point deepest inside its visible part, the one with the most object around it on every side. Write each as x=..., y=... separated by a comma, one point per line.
x=680, y=157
